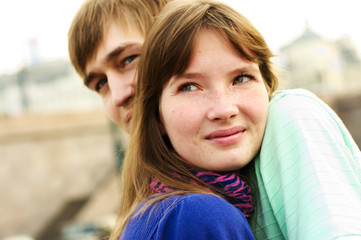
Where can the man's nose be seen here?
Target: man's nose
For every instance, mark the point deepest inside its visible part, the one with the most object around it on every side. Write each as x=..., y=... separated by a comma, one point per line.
x=122, y=89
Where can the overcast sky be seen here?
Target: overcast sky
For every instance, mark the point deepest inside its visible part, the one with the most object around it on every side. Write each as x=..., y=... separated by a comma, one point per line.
x=280, y=21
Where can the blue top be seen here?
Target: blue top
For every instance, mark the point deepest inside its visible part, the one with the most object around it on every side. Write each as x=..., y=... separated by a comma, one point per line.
x=190, y=216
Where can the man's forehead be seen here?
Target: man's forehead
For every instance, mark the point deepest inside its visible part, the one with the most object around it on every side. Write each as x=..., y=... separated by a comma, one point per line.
x=126, y=28
x=118, y=34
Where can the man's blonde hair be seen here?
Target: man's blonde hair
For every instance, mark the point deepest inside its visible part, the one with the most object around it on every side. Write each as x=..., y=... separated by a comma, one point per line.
x=94, y=16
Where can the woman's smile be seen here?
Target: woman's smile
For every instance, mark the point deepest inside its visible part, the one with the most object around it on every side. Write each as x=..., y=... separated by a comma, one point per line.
x=226, y=137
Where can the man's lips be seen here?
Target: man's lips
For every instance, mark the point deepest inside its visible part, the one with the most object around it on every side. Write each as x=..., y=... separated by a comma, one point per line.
x=226, y=136
x=128, y=117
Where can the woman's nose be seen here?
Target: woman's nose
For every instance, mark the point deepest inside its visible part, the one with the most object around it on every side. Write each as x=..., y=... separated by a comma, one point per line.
x=222, y=106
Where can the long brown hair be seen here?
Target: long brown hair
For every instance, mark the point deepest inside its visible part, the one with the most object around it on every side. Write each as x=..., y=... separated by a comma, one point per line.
x=167, y=52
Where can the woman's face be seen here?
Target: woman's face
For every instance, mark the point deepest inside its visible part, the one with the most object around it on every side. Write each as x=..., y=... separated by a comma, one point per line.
x=215, y=112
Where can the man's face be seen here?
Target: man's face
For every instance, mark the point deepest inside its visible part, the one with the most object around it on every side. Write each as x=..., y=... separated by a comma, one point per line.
x=111, y=73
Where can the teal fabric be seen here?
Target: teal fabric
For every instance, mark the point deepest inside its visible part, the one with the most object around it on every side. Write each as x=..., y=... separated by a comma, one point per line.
x=308, y=172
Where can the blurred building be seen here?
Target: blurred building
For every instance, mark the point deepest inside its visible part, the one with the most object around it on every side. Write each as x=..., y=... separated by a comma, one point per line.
x=45, y=87
x=326, y=67
x=329, y=68
x=58, y=155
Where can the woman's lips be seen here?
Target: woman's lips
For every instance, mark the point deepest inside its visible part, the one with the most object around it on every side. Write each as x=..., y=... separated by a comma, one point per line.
x=226, y=137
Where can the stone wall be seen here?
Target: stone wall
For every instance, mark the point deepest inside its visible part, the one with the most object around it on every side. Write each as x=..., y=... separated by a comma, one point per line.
x=47, y=160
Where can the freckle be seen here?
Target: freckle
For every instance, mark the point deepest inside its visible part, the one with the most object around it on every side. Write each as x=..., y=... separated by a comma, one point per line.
x=194, y=142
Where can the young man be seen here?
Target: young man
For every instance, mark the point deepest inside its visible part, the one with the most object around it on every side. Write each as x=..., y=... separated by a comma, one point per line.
x=105, y=40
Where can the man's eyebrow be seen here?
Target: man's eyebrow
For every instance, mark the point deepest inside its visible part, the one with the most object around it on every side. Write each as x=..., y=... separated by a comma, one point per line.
x=110, y=56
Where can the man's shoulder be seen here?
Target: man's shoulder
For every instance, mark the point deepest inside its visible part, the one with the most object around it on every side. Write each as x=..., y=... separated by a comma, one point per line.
x=292, y=95
x=298, y=104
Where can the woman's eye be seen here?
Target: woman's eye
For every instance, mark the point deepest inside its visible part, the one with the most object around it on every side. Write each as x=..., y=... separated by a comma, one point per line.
x=187, y=87
x=242, y=79
x=100, y=84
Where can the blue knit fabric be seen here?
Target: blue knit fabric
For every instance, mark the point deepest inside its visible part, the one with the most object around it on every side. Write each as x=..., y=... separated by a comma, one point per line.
x=190, y=216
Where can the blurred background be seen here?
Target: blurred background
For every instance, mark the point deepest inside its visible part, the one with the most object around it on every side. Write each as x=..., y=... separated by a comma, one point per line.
x=58, y=151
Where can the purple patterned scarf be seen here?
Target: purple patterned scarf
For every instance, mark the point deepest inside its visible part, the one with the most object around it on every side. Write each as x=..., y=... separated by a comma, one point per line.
x=229, y=185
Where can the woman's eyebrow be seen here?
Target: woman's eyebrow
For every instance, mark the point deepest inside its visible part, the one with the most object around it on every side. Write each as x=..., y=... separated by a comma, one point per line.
x=190, y=75
x=246, y=68
x=195, y=75
x=184, y=76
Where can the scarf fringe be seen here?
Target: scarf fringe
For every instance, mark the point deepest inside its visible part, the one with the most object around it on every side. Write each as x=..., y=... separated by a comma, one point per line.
x=229, y=185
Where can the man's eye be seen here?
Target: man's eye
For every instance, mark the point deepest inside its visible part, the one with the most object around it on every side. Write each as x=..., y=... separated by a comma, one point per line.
x=100, y=84
x=242, y=79
x=129, y=59
x=187, y=87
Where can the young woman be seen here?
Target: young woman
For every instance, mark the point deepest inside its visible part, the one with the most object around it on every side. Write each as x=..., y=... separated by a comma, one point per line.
x=205, y=80
x=200, y=114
